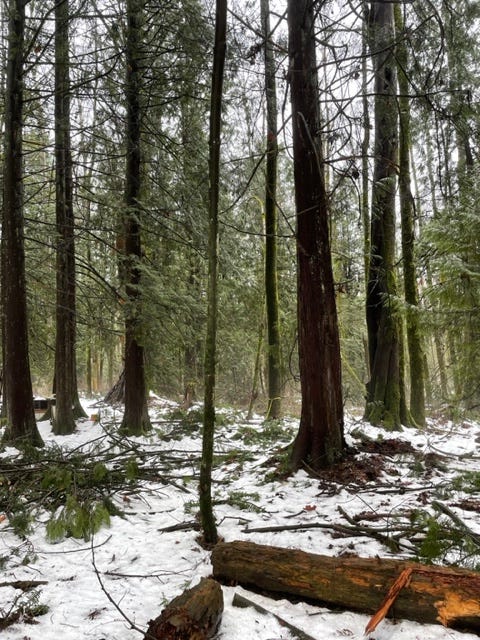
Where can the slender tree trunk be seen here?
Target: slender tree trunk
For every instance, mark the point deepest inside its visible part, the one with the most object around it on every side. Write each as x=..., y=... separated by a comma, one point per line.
x=320, y=439
x=21, y=425
x=271, y=226
x=414, y=337
x=135, y=419
x=383, y=322
x=365, y=148
x=437, y=330
x=205, y=485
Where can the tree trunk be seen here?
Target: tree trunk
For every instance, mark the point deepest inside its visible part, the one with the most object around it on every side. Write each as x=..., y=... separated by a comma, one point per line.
x=195, y=614
x=383, y=322
x=320, y=439
x=434, y=595
x=274, y=371
x=135, y=419
x=205, y=486
x=21, y=425
x=414, y=338
x=65, y=359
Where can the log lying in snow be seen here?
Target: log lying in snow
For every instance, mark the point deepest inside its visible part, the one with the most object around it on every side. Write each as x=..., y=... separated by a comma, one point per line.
x=193, y=615
x=434, y=594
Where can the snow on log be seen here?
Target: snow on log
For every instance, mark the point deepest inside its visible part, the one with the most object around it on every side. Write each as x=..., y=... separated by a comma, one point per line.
x=193, y=615
x=433, y=594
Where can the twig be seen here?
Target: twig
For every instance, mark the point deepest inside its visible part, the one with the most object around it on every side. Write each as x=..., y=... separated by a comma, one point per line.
x=109, y=597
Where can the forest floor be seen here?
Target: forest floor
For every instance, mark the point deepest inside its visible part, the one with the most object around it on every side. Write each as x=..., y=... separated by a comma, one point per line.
x=410, y=494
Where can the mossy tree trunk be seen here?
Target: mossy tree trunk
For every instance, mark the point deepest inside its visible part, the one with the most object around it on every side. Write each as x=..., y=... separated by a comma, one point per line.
x=383, y=318
x=274, y=370
x=205, y=486
x=135, y=419
x=320, y=439
x=21, y=425
x=414, y=335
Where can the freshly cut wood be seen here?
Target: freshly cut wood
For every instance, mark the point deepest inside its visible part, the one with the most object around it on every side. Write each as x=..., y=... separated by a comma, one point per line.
x=193, y=615
x=433, y=594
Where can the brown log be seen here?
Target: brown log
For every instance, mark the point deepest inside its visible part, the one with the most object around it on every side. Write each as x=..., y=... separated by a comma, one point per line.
x=444, y=595
x=193, y=615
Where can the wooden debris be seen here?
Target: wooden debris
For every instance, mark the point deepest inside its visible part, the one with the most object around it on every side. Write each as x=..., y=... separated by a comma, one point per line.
x=434, y=594
x=193, y=615
x=390, y=598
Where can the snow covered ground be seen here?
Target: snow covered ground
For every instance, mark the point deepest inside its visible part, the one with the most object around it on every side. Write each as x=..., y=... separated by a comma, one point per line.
x=141, y=567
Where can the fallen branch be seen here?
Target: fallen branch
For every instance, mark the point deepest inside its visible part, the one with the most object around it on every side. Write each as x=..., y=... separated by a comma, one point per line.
x=434, y=595
x=241, y=601
x=474, y=537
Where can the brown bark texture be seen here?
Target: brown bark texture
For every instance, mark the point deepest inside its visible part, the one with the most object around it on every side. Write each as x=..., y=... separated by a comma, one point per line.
x=320, y=440
x=193, y=615
x=444, y=595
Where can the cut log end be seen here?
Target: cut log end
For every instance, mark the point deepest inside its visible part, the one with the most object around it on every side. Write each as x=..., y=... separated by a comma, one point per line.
x=193, y=615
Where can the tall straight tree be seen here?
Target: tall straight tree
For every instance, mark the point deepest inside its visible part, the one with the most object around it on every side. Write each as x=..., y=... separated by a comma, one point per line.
x=320, y=440
x=135, y=419
x=383, y=325
x=414, y=338
x=271, y=224
x=67, y=402
x=205, y=486
x=21, y=425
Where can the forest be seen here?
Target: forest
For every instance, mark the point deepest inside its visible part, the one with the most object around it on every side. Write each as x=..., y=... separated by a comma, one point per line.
x=249, y=212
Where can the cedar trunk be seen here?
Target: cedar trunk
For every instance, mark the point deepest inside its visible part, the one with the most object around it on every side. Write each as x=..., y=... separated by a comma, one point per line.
x=320, y=440
x=65, y=357
x=442, y=595
x=135, y=419
x=21, y=425
x=383, y=322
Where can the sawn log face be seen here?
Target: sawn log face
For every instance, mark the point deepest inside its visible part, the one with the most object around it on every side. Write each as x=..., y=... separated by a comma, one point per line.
x=193, y=615
x=434, y=594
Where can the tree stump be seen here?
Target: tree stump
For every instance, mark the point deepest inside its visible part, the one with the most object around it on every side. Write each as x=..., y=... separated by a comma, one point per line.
x=444, y=595
x=193, y=615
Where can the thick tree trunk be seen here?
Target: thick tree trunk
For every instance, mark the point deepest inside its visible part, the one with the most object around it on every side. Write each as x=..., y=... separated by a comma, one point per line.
x=65, y=357
x=434, y=594
x=383, y=321
x=195, y=614
x=135, y=419
x=320, y=440
x=274, y=371
x=216, y=99
x=21, y=425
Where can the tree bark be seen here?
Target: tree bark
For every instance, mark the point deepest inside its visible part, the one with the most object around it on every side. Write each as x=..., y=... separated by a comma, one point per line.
x=205, y=486
x=21, y=425
x=274, y=371
x=135, y=419
x=320, y=439
x=193, y=615
x=67, y=402
x=383, y=322
x=434, y=595
x=414, y=337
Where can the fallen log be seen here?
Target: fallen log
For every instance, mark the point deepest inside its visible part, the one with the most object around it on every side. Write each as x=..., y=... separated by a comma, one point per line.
x=193, y=615
x=444, y=595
